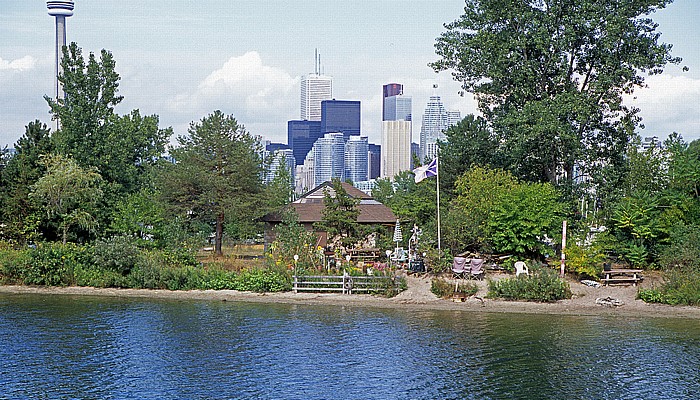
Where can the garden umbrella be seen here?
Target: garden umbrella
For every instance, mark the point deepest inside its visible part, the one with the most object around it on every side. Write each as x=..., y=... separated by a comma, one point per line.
x=397, y=236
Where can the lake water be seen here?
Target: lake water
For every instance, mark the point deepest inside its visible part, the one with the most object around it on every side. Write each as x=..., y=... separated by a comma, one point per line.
x=66, y=347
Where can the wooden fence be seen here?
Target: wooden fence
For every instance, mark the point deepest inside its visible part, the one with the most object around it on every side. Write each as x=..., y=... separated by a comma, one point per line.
x=344, y=284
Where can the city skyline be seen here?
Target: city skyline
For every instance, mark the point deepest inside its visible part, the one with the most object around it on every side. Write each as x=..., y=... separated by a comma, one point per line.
x=182, y=61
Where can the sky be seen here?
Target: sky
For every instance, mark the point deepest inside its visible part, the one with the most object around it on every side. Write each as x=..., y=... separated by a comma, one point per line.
x=181, y=60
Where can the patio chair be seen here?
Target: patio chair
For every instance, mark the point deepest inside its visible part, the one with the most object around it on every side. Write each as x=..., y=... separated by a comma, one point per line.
x=476, y=270
x=521, y=268
x=459, y=269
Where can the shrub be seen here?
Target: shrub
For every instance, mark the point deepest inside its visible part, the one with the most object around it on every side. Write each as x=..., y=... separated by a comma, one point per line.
x=180, y=278
x=680, y=287
x=218, y=279
x=180, y=257
x=444, y=289
x=683, y=250
x=146, y=273
x=52, y=264
x=585, y=261
x=118, y=253
x=95, y=276
x=438, y=261
x=264, y=280
x=12, y=263
x=542, y=285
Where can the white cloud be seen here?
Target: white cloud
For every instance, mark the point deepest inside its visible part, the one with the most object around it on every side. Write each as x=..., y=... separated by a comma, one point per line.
x=669, y=104
x=21, y=64
x=245, y=87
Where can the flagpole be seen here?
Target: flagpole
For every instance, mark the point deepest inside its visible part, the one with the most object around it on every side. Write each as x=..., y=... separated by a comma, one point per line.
x=437, y=175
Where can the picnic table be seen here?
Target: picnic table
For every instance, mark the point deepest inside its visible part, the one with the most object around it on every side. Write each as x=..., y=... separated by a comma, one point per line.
x=622, y=275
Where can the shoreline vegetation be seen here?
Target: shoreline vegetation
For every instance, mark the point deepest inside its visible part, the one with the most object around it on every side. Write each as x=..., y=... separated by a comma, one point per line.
x=416, y=298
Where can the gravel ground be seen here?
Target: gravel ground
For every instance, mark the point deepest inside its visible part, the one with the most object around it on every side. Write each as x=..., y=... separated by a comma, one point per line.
x=418, y=296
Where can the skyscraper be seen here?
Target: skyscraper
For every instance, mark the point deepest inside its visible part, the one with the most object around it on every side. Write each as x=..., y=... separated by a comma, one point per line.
x=434, y=124
x=389, y=90
x=453, y=117
x=396, y=147
x=279, y=158
x=374, y=160
x=314, y=89
x=397, y=131
x=329, y=158
x=60, y=10
x=301, y=136
x=356, y=153
x=340, y=116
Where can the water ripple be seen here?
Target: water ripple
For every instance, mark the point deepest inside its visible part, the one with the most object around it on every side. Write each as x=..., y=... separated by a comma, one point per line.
x=66, y=347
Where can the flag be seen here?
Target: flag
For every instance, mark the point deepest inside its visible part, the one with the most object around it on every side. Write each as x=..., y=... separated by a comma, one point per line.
x=426, y=171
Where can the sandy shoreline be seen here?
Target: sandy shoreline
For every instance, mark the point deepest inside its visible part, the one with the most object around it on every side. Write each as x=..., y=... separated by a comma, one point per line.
x=417, y=297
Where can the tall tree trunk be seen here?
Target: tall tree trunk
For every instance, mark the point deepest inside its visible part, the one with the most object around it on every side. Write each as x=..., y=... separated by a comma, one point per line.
x=218, y=238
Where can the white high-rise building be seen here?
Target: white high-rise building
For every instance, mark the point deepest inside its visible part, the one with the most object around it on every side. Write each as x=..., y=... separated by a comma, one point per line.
x=434, y=124
x=314, y=89
x=356, y=158
x=396, y=147
x=304, y=177
x=329, y=158
x=453, y=117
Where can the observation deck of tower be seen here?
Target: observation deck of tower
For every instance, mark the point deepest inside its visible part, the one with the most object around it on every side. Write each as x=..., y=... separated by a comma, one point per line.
x=60, y=10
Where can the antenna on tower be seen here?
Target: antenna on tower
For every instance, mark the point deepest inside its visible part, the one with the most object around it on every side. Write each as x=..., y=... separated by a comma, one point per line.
x=317, y=63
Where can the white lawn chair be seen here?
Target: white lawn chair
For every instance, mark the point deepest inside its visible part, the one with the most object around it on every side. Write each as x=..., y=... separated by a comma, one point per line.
x=521, y=268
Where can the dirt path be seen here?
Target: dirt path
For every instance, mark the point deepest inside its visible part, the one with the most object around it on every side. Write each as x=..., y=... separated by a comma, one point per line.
x=417, y=296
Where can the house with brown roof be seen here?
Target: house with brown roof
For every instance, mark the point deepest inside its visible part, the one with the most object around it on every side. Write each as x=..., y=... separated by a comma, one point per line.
x=309, y=209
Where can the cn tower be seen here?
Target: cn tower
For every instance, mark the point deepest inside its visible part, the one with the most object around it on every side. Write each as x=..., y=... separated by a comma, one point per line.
x=60, y=10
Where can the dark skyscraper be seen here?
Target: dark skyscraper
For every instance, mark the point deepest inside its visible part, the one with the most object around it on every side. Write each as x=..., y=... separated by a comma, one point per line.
x=390, y=90
x=340, y=116
x=375, y=160
x=301, y=136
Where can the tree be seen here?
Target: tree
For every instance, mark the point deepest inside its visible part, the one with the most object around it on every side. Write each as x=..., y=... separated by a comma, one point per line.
x=340, y=212
x=122, y=148
x=90, y=97
x=280, y=190
x=216, y=176
x=478, y=192
x=293, y=239
x=23, y=169
x=549, y=76
x=68, y=192
x=469, y=142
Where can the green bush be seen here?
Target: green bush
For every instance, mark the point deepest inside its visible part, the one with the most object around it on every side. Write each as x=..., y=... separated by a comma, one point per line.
x=12, y=263
x=181, y=278
x=118, y=253
x=264, y=280
x=585, y=261
x=683, y=250
x=94, y=276
x=438, y=261
x=680, y=287
x=218, y=279
x=443, y=288
x=146, y=274
x=52, y=264
x=542, y=285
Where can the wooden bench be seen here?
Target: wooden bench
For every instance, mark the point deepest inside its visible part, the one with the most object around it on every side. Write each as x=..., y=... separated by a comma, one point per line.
x=622, y=276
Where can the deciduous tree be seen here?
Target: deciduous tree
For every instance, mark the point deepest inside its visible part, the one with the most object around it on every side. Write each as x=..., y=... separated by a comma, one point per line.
x=69, y=193
x=549, y=76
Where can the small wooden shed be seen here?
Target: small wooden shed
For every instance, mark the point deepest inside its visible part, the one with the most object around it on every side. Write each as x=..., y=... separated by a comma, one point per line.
x=309, y=209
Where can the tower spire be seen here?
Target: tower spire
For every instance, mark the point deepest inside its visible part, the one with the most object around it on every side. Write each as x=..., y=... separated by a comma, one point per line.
x=60, y=10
